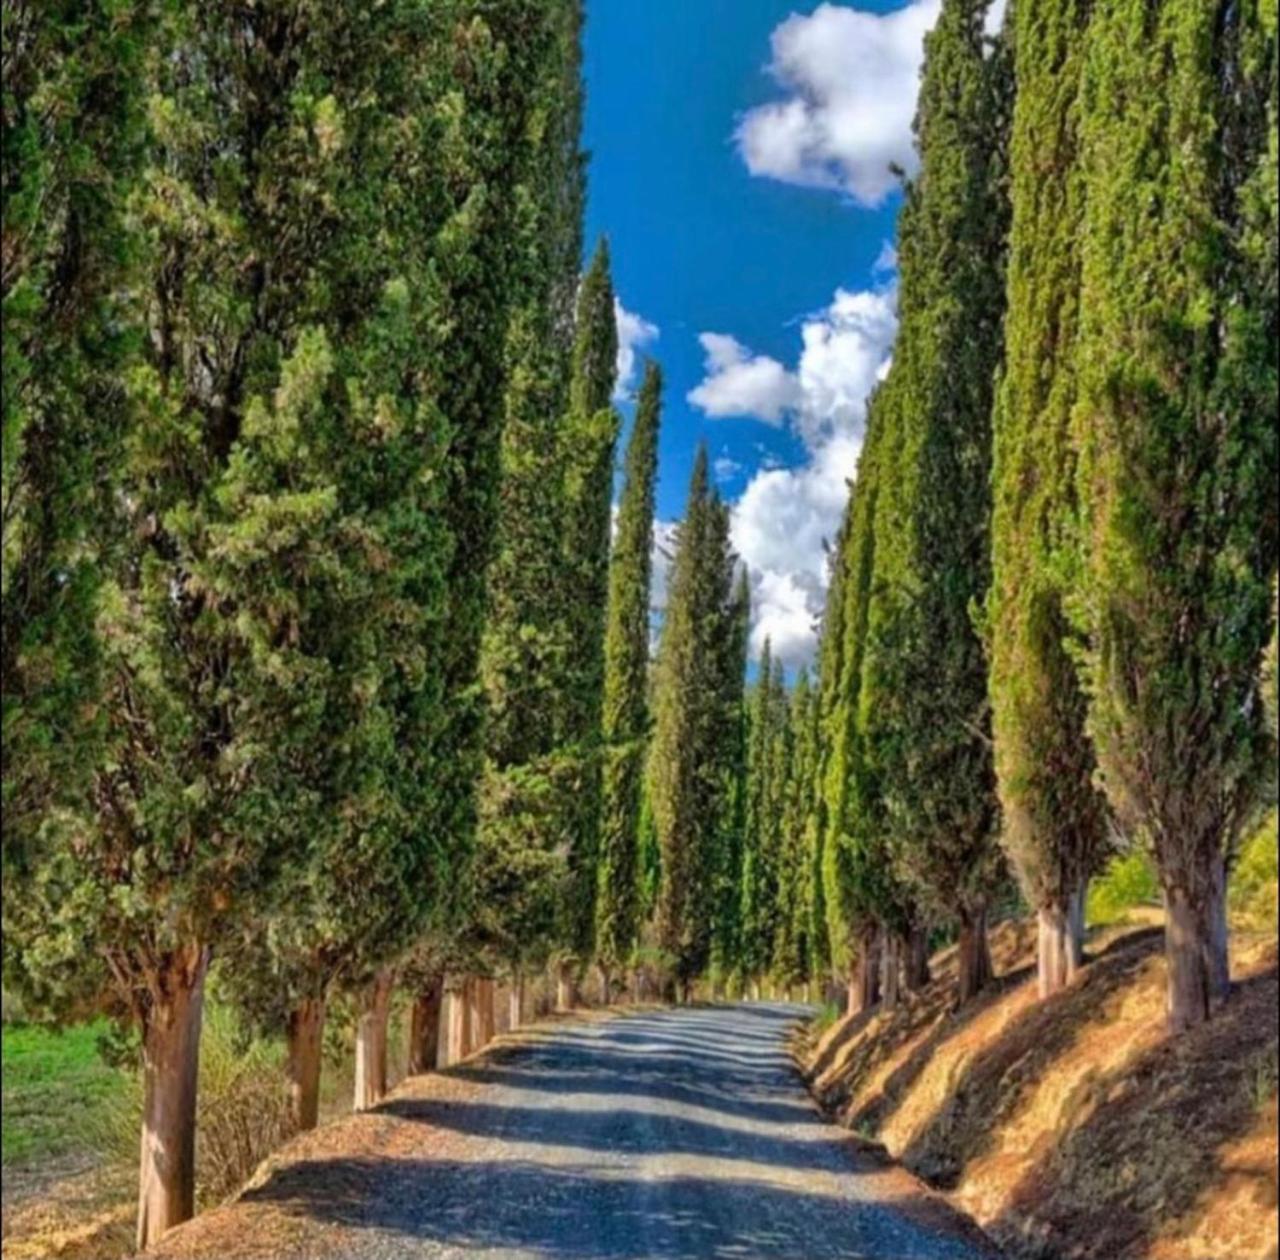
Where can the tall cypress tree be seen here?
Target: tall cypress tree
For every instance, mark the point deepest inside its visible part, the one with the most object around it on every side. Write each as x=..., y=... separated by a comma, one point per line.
x=626, y=687
x=762, y=833
x=1177, y=432
x=685, y=768
x=525, y=836
x=587, y=445
x=924, y=695
x=792, y=949
x=862, y=894
x=726, y=904
x=1055, y=824
x=73, y=148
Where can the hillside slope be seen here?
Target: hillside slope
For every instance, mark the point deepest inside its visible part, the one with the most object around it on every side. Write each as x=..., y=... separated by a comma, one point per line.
x=1076, y=1127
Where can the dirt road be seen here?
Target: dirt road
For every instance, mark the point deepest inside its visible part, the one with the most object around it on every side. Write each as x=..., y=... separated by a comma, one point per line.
x=679, y=1135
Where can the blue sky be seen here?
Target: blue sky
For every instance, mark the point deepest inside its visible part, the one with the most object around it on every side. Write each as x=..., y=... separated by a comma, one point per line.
x=739, y=165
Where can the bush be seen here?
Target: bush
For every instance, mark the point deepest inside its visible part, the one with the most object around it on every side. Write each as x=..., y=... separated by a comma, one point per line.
x=1128, y=882
x=1255, y=879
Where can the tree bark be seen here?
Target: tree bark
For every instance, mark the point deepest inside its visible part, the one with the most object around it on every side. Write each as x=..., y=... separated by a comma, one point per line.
x=170, y=1062
x=458, y=1020
x=516, y=1002
x=424, y=1027
x=1079, y=902
x=918, y=975
x=973, y=956
x=890, y=971
x=1061, y=947
x=486, y=1014
x=864, y=981
x=565, y=995
x=1197, y=949
x=305, y=1040
x=371, y=1043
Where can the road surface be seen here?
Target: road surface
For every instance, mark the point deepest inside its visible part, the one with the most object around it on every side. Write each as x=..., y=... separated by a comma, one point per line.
x=671, y=1135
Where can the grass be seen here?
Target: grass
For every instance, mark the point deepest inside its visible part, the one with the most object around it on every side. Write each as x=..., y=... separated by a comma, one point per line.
x=58, y=1093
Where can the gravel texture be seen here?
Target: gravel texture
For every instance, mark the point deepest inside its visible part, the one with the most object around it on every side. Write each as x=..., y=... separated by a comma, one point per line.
x=681, y=1135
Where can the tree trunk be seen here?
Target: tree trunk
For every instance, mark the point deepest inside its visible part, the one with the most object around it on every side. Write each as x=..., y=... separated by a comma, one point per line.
x=1061, y=949
x=371, y=1043
x=304, y=1037
x=565, y=996
x=918, y=975
x=864, y=982
x=606, y=987
x=458, y=1013
x=973, y=956
x=1079, y=902
x=170, y=1061
x=424, y=1027
x=486, y=1020
x=890, y=971
x=1197, y=950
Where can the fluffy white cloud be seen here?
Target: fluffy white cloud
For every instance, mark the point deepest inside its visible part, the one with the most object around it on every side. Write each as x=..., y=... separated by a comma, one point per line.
x=726, y=468
x=785, y=517
x=850, y=79
x=634, y=333
x=739, y=383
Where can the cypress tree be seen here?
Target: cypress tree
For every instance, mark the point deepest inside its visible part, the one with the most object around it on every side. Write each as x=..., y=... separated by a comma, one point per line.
x=726, y=902
x=685, y=768
x=924, y=701
x=73, y=147
x=1178, y=446
x=863, y=895
x=792, y=949
x=587, y=448
x=525, y=835
x=626, y=687
x=1055, y=824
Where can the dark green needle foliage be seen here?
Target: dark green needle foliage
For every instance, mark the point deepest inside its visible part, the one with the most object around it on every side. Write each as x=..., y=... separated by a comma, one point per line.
x=1055, y=824
x=686, y=767
x=1177, y=430
x=626, y=687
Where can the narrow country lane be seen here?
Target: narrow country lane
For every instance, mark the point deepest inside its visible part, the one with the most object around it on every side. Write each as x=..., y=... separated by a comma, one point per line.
x=681, y=1135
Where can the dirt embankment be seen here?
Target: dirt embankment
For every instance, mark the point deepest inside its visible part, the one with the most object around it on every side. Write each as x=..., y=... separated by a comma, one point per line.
x=1075, y=1128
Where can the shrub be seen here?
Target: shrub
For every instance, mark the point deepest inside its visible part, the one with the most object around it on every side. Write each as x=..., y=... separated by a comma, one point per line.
x=1128, y=882
x=1255, y=878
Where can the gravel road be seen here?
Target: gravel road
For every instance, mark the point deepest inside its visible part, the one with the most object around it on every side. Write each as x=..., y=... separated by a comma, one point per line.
x=680, y=1135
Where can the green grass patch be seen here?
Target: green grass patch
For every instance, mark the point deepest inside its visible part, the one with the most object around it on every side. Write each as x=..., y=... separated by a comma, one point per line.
x=1255, y=878
x=58, y=1093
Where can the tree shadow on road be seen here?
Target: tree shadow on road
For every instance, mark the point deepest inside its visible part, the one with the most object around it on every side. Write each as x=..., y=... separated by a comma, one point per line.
x=565, y=1213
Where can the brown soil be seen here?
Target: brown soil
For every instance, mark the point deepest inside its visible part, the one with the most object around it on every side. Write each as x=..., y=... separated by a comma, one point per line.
x=1076, y=1127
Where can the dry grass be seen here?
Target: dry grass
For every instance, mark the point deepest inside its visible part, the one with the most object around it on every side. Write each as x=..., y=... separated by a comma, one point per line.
x=1075, y=1127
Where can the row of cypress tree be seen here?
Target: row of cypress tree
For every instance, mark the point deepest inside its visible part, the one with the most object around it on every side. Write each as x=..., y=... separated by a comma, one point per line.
x=1053, y=589
x=316, y=670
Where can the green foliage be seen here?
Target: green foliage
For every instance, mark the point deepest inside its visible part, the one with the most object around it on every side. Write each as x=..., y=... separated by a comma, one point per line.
x=1253, y=891
x=792, y=949
x=73, y=152
x=686, y=764
x=923, y=712
x=626, y=686
x=1128, y=882
x=1054, y=816
x=1176, y=421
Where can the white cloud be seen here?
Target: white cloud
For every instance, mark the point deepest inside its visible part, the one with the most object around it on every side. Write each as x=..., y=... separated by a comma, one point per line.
x=739, y=383
x=850, y=80
x=786, y=516
x=725, y=468
x=634, y=333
